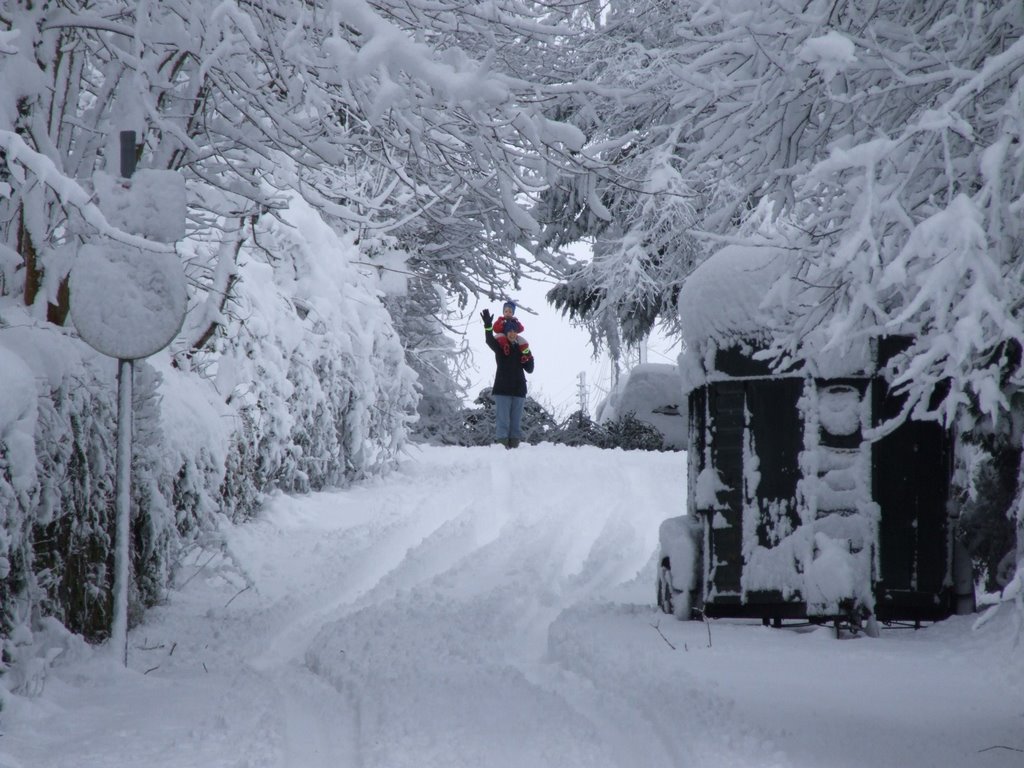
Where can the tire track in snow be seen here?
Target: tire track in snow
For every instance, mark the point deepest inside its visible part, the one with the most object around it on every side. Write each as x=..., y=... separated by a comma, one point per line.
x=315, y=720
x=612, y=557
x=423, y=606
x=359, y=560
x=699, y=730
x=473, y=616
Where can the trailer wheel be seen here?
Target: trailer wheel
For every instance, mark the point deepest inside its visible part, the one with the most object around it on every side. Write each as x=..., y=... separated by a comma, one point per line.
x=665, y=594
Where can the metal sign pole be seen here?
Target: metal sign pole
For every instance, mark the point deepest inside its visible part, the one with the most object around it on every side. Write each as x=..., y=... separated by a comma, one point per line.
x=150, y=287
x=122, y=571
x=122, y=529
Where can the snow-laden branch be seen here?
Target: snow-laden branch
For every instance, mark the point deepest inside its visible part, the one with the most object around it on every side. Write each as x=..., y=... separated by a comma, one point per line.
x=21, y=158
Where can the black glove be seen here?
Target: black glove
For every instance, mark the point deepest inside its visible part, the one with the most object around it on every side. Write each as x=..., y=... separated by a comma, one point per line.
x=488, y=320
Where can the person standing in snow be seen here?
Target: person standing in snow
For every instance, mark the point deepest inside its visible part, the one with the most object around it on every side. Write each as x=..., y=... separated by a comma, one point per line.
x=509, y=390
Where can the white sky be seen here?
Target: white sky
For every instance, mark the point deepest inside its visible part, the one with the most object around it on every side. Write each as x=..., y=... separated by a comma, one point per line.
x=435, y=618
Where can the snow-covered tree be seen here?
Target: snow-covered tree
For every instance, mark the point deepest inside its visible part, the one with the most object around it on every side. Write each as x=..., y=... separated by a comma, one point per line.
x=912, y=218
x=437, y=360
x=413, y=117
x=420, y=122
x=886, y=141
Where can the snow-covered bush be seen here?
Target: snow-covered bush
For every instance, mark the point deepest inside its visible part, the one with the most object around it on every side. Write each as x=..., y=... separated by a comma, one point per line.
x=477, y=427
x=579, y=429
x=477, y=424
x=626, y=432
x=631, y=434
x=56, y=483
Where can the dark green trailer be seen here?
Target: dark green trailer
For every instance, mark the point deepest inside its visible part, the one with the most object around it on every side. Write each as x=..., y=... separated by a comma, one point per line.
x=811, y=506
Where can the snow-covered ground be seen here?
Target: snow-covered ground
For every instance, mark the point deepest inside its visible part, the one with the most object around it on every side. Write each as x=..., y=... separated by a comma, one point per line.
x=488, y=608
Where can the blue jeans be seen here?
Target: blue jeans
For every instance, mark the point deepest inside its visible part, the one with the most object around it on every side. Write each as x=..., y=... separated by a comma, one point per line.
x=508, y=416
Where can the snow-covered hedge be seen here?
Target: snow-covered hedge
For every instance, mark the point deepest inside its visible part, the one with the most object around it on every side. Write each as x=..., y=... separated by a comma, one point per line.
x=310, y=359
x=303, y=386
x=57, y=444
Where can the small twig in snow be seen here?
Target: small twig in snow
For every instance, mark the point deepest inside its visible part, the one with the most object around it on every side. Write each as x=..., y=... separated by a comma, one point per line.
x=244, y=589
x=173, y=646
x=704, y=618
x=205, y=669
x=657, y=629
x=151, y=669
x=1000, y=746
x=199, y=570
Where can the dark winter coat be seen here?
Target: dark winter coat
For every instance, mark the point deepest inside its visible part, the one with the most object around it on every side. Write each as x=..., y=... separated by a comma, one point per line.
x=510, y=374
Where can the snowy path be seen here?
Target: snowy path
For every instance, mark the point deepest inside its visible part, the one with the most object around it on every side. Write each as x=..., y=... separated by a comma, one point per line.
x=484, y=609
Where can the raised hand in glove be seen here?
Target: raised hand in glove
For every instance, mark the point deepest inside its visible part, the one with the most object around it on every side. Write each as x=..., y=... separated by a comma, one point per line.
x=526, y=357
x=488, y=319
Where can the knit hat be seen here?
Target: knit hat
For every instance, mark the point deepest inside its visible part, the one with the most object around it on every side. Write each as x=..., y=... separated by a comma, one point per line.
x=511, y=304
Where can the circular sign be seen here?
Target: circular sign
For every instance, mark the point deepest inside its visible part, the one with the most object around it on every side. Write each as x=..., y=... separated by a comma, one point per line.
x=127, y=302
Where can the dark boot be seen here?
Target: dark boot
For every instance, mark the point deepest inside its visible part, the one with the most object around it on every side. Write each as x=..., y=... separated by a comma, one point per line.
x=503, y=441
x=513, y=442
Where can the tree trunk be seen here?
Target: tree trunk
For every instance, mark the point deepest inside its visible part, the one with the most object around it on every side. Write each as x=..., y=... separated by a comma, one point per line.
x=58, y=313
x=27, y=250
x=34, y=273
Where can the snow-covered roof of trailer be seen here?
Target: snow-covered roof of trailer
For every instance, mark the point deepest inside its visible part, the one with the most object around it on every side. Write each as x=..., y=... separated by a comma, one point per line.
x=735, y=299
x=722, y=301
